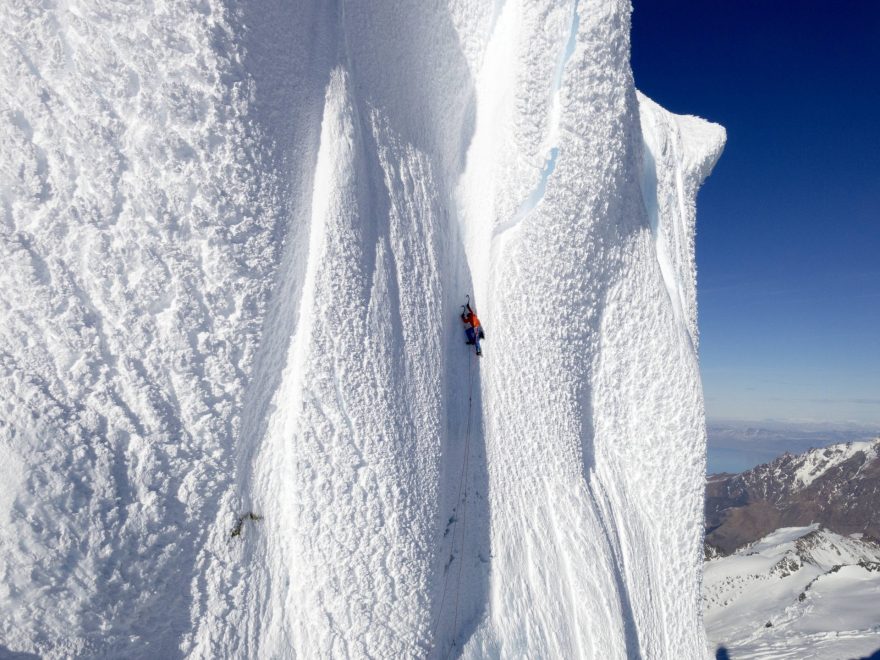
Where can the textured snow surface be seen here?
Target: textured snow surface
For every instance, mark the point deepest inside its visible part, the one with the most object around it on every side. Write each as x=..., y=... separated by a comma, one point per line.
x=235, y=239
x=817, y=589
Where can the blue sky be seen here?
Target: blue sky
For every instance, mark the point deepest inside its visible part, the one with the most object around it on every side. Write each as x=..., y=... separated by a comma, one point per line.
x=788, y=224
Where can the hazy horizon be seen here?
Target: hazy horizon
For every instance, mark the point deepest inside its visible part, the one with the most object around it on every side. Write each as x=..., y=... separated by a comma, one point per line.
x=738, y=445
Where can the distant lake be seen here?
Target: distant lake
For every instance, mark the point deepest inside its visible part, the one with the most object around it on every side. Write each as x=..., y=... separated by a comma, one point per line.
x=735, y=446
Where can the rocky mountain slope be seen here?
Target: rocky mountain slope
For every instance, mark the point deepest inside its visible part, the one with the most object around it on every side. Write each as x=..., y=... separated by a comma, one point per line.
x=837, y=487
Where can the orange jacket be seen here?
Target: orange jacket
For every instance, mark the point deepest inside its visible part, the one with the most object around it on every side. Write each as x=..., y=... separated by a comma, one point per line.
x=471, y=319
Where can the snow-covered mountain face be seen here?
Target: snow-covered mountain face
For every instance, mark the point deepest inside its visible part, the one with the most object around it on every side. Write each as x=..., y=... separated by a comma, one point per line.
x=800, y=592
x=837, y=486
x=235, y=240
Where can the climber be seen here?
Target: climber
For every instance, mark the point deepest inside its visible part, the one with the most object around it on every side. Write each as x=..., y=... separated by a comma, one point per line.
x=473, y=330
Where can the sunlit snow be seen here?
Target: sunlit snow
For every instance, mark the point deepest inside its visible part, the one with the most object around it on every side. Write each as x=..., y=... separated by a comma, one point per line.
x=238, y=415
x=798, y=593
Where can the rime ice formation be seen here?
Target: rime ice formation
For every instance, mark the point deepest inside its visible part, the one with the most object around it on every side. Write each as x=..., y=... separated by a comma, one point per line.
x=235, y=238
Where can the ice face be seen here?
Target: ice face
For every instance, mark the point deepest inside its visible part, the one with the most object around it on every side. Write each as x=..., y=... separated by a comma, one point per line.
x=239, y=415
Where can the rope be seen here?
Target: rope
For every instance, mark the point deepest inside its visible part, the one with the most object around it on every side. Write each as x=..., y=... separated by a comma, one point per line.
x=461, y=488
x=467, y=453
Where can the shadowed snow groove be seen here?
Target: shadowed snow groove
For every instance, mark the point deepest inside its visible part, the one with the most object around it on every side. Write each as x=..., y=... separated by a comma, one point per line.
x=236, y=239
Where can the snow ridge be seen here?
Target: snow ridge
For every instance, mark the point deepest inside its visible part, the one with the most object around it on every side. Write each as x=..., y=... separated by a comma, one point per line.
x=818, y=462
x=236, y=400
x=679, y=153
x=800, y=592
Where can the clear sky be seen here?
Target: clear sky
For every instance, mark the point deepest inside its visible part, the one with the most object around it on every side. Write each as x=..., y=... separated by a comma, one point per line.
x=788, y=224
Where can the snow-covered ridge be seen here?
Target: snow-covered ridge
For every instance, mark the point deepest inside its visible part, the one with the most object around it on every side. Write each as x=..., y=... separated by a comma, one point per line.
x=816, y=463
x=238, y=418
x=680, y=152
x=800, y=592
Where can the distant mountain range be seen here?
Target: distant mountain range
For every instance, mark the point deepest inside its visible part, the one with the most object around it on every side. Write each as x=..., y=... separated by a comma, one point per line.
x=737, y=445
x=793, y=560
x=837, y=487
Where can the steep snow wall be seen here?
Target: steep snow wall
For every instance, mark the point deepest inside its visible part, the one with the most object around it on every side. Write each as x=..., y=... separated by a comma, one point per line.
x=141, y=210
x=236, y=240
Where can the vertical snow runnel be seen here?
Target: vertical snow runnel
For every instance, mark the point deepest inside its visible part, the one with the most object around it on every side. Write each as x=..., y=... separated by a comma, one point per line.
x=534, y=198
